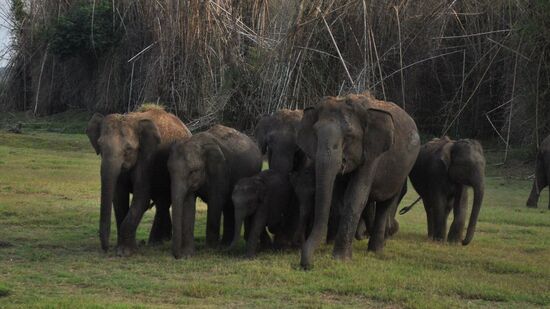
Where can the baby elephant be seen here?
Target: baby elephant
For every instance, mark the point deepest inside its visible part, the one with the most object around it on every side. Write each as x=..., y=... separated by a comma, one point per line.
x=442, y=172
x=260, y=201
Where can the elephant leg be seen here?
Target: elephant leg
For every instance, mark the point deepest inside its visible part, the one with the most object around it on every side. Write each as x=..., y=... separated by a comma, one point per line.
x=228, y=223
x=361, y=232
x=539, y=183
x=392, y=226
x=460, y=207
x=140, y=203
x=265, y=240
x=162, y=224
x=369, y=215
x=213, y=218
x=121, y=203
x=439, y=213
x=355, y=200
x=332, y=228
x=377, y=238
x=247, y=227
x=259, y=221
x=302, y=228
x=428, y=207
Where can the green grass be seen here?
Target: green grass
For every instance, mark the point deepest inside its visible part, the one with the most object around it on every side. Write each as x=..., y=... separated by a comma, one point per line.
x=50, y=254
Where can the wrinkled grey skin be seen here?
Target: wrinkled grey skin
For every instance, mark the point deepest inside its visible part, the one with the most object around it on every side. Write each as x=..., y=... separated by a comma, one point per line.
x=441, y=174
x=303, y=183
x=366, y=224
x=261, y=201
x=134, y=150
x=542, y=173
x=208, y=166
x=276, y=137
x=376, y=143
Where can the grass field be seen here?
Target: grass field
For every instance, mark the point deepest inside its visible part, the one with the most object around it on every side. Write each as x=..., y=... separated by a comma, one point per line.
x=50, y=254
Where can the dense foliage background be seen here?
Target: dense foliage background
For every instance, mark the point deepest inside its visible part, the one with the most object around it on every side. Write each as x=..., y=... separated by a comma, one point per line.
x=465, y=68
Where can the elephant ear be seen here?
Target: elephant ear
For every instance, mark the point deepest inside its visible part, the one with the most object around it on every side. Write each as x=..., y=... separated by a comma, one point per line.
x=306, y=137
x=445, y=154
x=379, y=132
x=215, y=160
x=94, y=131
x=262, y=130
x=149, y=137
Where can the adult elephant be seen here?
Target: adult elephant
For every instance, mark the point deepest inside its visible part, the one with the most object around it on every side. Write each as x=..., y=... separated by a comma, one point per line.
x=376, y=142
x=542, y=173
x=276, y=137
x=443, y=171
x=207, y=166
x=134, y=150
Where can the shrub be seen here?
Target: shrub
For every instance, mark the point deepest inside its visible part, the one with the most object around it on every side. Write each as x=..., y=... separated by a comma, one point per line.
x=85, y=30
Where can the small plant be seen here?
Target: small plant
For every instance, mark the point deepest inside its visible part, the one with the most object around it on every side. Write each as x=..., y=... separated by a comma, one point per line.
x=85, y=30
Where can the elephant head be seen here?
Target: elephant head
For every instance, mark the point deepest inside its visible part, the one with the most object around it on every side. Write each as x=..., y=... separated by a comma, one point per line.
x=191, y=164
x=276, y=136
x=247, y=197
x=465, y=163
x=339, y=135
x=122, y=143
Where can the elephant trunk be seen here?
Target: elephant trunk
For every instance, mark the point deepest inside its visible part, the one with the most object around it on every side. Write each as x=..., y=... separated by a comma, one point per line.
x=178, y=195
x=479, y=189
x=110, y=170
x=328, y=162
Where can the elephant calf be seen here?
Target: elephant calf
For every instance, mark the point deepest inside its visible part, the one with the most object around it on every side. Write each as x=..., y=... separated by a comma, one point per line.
x=260, y=201
x=208, y=165
x=542, y=173
x=443, y=170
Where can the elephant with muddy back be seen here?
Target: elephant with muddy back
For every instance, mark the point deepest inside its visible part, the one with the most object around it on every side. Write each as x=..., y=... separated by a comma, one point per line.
x=208, y=165
x=134, y=149
x=542, y=173
x=373, y=141
x=443, y=171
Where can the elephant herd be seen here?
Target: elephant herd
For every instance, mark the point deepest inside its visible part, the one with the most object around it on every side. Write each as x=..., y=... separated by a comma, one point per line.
x=337, y=171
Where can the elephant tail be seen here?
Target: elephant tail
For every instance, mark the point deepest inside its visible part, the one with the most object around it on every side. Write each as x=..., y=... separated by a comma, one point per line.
x=405, y=210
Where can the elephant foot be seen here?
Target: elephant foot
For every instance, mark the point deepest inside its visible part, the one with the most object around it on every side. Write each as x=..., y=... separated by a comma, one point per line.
x=392, y=229
x=125, y=250
x=155, y=242
x=184, y=253
x=454, y=237
x=360, y=236
x=453, y=240
x=532, y=205
x=342, y=255
x=212, y=242
x=306, y=262
x=375, y=246
x=250, y=255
